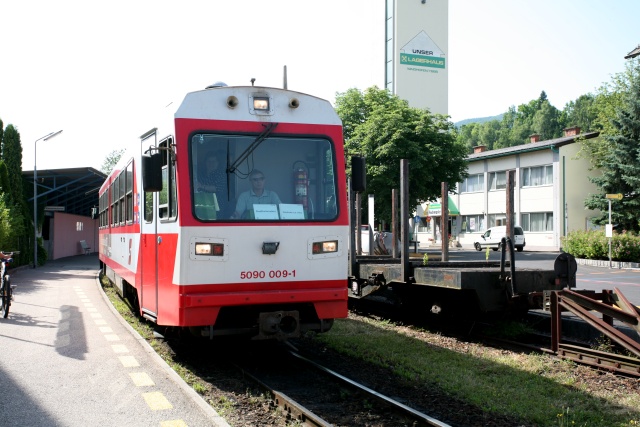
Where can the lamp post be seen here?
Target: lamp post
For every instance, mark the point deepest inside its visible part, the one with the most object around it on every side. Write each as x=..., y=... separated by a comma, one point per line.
x=35, y=196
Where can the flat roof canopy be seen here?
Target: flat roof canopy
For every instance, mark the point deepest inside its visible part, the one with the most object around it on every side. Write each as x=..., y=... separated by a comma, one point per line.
x=73, y=191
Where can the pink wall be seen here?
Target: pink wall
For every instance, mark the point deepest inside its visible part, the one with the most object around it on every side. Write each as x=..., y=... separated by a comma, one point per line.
x=66, y=232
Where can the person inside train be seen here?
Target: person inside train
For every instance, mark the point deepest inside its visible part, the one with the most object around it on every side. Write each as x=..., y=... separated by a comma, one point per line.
x=212, y=179
x=256, y=195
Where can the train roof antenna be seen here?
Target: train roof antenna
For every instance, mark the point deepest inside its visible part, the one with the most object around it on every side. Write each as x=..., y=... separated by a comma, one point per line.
x=252, y=81
x=284, y=83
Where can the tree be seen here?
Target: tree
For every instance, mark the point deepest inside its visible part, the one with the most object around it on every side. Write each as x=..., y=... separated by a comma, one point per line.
x=12, y=157
x=620, y=163
x=580, y=113
x=545, y=121
x=506, y=126
x=14, y=209
x=384, y=129
x=111, y=160
x=608, y=100
x=469, y=136
x=489, y=132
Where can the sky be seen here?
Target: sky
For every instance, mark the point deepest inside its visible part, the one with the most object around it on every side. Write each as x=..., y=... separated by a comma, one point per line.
x=100, y=71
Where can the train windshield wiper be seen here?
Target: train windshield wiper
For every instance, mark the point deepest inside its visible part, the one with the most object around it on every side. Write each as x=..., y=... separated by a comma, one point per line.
x=231, y=168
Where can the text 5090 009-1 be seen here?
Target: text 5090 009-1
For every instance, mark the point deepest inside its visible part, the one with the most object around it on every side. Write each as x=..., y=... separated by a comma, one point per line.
x=271, y=274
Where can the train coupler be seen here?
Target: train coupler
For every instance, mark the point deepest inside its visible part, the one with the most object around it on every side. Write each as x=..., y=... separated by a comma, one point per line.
x=361, y=288
x=280, y=325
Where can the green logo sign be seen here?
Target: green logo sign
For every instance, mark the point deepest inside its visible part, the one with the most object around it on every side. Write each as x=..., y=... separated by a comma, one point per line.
x=421, y=61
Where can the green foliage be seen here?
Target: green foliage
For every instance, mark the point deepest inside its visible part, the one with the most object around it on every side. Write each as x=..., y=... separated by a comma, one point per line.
x=619, y=158
x=12, y=157
x=384, y=129
x=111, y=160
x=609, y=99
x=5, y=223
x=625, y=246
x=538, y=116
x=14, y=212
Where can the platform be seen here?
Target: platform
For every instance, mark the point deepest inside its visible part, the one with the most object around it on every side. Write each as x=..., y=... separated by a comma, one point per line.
x=68, y=359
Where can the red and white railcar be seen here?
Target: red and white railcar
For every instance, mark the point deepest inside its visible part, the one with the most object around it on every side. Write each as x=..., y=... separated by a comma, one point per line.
x=175, y=243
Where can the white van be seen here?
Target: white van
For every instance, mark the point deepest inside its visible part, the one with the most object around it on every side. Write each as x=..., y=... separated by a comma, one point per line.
x=493, y=237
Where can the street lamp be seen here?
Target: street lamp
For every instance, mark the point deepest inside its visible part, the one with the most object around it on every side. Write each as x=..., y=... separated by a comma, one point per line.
x=35, y=196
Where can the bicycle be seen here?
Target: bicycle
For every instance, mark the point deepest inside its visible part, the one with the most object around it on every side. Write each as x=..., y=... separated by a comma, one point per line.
x=6, y=290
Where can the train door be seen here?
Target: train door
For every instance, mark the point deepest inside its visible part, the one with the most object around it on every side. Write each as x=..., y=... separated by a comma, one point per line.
x=148, y=242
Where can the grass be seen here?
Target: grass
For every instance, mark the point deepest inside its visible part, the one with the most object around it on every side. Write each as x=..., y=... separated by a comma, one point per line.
x=542, y=390
x=538, y=388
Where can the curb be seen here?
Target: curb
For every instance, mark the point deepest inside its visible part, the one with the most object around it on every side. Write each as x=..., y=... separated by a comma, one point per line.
x=605, y=263
x=188, y=390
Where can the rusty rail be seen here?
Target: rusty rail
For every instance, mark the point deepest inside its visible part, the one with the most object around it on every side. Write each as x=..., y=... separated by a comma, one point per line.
x=612, y=305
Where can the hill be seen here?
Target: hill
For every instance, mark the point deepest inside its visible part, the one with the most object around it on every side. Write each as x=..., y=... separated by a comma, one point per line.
x=478, y=120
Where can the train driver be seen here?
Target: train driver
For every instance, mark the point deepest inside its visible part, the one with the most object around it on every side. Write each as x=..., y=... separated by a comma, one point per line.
x=257, y=195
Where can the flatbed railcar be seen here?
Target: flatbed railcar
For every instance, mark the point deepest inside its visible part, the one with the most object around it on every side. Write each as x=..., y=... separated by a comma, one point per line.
x=183, y=254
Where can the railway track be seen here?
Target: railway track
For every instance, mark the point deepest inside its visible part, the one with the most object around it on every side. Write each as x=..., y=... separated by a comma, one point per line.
x=613, y=362
x=313, y=395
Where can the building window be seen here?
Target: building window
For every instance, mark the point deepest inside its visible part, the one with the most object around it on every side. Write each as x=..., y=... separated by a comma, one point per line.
x=498, y=180
x=473, y=223
x=473, y=183
x=537, y=221
x=536, y=176
x=496, y=220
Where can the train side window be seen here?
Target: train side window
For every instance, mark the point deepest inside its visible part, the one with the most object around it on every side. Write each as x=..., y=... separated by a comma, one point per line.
x=148, y=207
x=116, y=201
x=167, y=207
x=122, y=178
x=129, y=193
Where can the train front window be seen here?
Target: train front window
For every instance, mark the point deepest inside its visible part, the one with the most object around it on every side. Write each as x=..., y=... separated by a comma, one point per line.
x=242, y=178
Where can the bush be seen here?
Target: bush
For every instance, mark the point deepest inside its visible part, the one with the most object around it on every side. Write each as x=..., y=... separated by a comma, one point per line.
x=625, y=246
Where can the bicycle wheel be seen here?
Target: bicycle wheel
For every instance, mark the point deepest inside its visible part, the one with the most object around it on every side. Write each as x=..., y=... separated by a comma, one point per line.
x=5, y=291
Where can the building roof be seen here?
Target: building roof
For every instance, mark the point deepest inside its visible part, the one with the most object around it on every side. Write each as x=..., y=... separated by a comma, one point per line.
x=73, y=191
x=635, y=52
x=532, y=146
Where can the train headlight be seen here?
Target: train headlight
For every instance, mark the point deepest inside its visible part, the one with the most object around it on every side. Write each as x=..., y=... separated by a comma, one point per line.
x=328, y=246
x=210, y=249
x=261, y=104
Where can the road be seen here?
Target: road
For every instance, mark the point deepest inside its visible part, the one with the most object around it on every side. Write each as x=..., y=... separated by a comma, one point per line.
x=588, y=277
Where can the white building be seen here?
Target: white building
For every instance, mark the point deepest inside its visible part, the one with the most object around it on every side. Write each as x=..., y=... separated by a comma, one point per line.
x=551, y=184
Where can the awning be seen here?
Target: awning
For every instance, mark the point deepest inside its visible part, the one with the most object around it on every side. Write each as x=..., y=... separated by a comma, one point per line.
x=435, y=209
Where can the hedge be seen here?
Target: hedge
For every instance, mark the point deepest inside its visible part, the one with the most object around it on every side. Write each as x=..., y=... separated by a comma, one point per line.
x=625, y=246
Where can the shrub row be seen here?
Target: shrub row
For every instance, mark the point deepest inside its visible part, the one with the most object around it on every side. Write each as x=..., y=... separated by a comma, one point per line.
x=625, y=246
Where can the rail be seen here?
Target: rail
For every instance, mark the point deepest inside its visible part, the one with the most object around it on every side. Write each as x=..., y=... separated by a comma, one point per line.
x=612, y=305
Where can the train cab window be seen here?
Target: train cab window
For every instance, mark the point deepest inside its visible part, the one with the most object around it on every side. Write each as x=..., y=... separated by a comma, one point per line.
x=167, y=204
x=252, y=178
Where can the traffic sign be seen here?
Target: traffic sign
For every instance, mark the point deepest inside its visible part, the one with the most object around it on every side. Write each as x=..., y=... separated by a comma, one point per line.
x=614, y=196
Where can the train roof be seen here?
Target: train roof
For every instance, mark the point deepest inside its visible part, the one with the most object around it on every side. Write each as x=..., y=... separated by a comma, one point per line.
x=288, y=106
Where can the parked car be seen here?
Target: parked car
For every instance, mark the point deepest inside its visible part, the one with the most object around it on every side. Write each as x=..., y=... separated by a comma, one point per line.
x=492, y=238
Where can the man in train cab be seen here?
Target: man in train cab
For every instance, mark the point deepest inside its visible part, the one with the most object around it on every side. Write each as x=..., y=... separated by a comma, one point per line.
x=212, y=179
x=257, y=195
